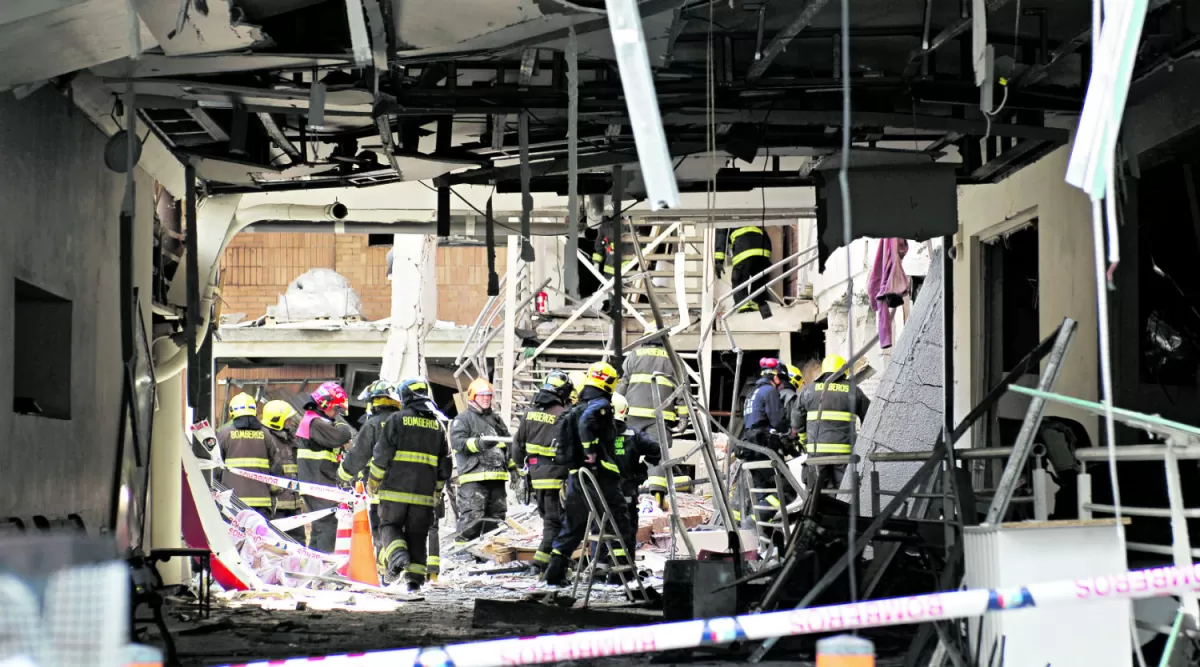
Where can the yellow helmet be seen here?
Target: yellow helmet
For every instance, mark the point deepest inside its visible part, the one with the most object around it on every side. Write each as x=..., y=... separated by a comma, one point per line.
x=243, y=405
x=477, y=387
x=577, y=380
x=276, y=414
x=602, y=376
x=833, y=363
x=795, y=376
x=620, y=407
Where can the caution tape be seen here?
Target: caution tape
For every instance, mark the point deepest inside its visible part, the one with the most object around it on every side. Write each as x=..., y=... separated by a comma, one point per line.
x=1137, y=584
x=292, y=522
x=306, y=488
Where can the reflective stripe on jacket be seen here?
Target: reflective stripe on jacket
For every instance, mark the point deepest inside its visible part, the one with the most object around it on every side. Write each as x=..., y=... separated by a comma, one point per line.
x=244, y=445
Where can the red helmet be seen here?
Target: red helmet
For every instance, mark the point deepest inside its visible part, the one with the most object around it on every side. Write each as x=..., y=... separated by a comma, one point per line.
x=331, y=394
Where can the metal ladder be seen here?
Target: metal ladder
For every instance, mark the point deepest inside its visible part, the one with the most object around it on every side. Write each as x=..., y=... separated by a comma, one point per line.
x=609, y=536
x=759, y=504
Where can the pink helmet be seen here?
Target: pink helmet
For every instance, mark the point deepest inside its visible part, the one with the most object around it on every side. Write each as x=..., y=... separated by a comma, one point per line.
x=330, y=394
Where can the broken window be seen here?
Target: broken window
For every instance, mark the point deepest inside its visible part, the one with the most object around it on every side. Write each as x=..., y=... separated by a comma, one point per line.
x=41, y=353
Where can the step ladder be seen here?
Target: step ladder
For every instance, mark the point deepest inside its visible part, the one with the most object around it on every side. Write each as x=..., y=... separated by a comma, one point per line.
x=769, y=518
x=608, y=535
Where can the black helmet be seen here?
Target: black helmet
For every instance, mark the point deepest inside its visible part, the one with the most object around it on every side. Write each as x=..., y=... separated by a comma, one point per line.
x=559, y=384
x=414, y=389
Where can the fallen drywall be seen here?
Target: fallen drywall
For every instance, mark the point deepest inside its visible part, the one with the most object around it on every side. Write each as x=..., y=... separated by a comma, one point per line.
x=906, y=412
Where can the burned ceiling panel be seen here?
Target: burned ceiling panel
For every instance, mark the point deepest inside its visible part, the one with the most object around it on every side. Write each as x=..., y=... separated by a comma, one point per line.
x=282, y=103
x=191, y=28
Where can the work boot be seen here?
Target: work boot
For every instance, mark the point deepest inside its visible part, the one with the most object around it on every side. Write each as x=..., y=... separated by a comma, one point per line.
x=398, y=561
x=764, y=311
x=414, y=586
x=556, y=571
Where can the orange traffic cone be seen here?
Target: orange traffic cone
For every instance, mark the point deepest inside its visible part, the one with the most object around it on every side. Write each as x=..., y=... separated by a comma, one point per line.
x=362, y=547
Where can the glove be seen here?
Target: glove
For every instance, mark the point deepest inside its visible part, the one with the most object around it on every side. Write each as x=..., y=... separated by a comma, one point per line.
x=720, y=269
x=373, y=486
x=590, y=459
x=514, y=479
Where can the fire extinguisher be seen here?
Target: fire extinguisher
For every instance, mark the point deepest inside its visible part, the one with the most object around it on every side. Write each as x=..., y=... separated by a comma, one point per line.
x=541, y=304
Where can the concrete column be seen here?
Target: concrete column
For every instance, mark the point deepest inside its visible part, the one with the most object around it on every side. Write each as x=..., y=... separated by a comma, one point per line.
x=414, y=305
x=166, y=476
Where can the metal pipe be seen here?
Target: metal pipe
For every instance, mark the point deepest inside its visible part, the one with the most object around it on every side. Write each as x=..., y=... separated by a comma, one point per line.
x=402, y=227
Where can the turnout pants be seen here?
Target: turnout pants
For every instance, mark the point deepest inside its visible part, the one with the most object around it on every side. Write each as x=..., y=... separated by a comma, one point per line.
x=433, y=562
x=742, y=272
x=575, y=522
x=629, y=493
x=405, y=530
x=481, y=507
x=550, y=508
x=323, y=535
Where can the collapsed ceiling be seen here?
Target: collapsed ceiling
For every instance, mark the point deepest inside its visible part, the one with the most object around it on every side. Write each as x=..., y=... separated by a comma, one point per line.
x=419, y=89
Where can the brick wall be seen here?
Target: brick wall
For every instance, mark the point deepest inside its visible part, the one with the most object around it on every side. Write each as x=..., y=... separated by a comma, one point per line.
x=257, y=268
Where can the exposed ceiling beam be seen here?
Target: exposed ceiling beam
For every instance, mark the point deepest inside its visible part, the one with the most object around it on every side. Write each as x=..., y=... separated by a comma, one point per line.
x=785, y=37
x=951, y=32
x=12, y=11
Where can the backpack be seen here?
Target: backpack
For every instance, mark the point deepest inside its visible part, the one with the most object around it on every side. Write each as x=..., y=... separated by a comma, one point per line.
x=569, y=449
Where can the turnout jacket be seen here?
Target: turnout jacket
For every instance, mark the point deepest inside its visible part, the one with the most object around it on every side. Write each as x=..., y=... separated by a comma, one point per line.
x=479, y=461
x=790, y=402
x=244, y=445
x=633, y=451
x=536, y=442
x=319, y=440
x=764, y=409
x=636, y=385
x=597, y=429
x=363, y=449
x=604, y=255
x=825, y=419
x=411, y=457
x=283, y=445
x=747, y=242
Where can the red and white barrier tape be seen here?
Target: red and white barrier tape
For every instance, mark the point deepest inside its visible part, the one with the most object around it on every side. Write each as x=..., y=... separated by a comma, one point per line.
x=1137, y=584
x=292, y=522
x=305, y=488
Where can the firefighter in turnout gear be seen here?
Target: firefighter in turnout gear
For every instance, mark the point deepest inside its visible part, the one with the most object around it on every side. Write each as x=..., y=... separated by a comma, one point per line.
x=533, y=450
x=791, y=396
x=320, y=438
x=382, y=402
x=593, y=444
x=826, y=422
x=643, y=367
x=280, y=419
x=410, y=466
x=483, y=464
x=767, y=425
x=634, y=450
x=243, y=445
x=749, y=256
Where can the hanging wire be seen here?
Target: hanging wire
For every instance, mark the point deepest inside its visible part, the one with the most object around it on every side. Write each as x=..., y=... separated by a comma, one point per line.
x=847, y=238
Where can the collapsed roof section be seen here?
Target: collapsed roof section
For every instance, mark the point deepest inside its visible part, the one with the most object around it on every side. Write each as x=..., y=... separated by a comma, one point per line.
x=285, y=94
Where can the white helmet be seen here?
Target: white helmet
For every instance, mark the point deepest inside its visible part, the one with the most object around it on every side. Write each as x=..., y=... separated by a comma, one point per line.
x=620, y=407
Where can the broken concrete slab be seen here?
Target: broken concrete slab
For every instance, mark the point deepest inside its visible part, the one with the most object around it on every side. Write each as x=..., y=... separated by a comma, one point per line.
x=906, y=412
x=191, y=29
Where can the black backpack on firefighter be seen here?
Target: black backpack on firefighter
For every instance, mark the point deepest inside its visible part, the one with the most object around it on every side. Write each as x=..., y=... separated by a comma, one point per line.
x=568, y=448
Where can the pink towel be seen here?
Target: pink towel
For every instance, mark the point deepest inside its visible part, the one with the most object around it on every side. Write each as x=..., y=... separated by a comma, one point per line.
x=887, y=284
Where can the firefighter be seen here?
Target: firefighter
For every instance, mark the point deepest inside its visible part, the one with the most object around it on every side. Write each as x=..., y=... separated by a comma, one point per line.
x=382, y=402
x=791, y=396
x=634, y=450
x=320, y=438
x=751, y=250
x=409, y=468
x=587, y=438
x=533, y=451
x=767, y=425
x=280, y=419
x=577, y=380
x=243, y=445
x=826, y=421
x=637, y=386
x=483, y=464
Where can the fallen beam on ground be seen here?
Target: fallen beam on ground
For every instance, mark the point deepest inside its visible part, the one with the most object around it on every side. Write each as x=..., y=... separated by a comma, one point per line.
x=659, y=637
